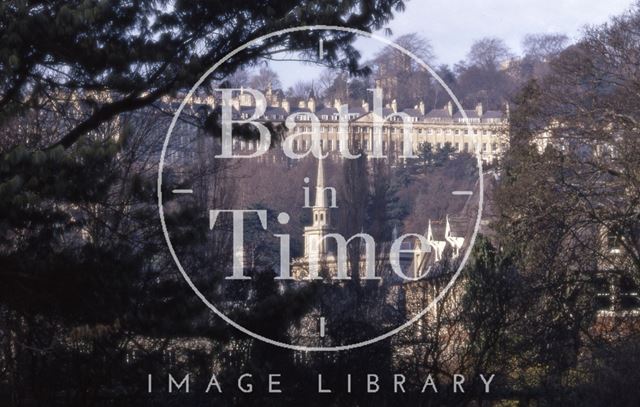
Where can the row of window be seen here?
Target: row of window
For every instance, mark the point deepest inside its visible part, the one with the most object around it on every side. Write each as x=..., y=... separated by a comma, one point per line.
x=334, y=145
x=399, y=130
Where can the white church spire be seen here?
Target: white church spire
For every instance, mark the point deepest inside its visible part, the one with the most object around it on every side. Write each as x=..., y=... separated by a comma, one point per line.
x=321, y=199
x=315, y=245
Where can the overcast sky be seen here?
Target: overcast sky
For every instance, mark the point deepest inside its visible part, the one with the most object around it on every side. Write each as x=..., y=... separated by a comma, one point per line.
x=452, y=25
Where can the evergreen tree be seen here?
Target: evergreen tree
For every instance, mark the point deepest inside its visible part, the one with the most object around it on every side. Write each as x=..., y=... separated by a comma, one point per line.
x=90, y=300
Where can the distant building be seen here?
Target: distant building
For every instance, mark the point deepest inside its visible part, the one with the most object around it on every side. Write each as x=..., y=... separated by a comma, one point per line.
x=486, y=130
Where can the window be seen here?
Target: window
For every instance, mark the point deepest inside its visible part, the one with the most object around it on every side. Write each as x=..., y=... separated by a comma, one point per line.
x=603, y=300
x=629, y=298
x=616, y=291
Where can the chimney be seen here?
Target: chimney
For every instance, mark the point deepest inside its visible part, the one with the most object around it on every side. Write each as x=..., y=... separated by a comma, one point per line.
x=394, y=106
x=479, y=109
x=421, y=107
x=365, y=105
x=449, y=108
x=336, y=103
x=302, y=104
x=312, y=104
x=285, y=105
x=506, y=109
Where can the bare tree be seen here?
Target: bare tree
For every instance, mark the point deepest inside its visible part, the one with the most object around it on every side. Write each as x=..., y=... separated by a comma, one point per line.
x=265, y=77
x=569, y=206
x=300, y=90
x=400, y=76
x=489, y=53
x=542, y=46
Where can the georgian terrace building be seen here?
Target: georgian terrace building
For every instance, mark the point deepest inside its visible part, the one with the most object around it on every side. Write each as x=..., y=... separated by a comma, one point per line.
x=488, y=129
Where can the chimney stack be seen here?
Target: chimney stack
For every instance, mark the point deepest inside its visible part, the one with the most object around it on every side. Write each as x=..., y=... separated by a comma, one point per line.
x=421, y=107
x=285, y=105
x=479, y=110
x=365, y=105
x=449, y=107
x=336, y=103
x=394, y=106
x=312, y=104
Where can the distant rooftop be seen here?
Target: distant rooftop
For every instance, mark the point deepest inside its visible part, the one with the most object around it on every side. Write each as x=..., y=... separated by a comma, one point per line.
x=279, y=107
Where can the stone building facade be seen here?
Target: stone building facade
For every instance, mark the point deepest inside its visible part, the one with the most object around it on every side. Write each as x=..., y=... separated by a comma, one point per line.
x=485, y=130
